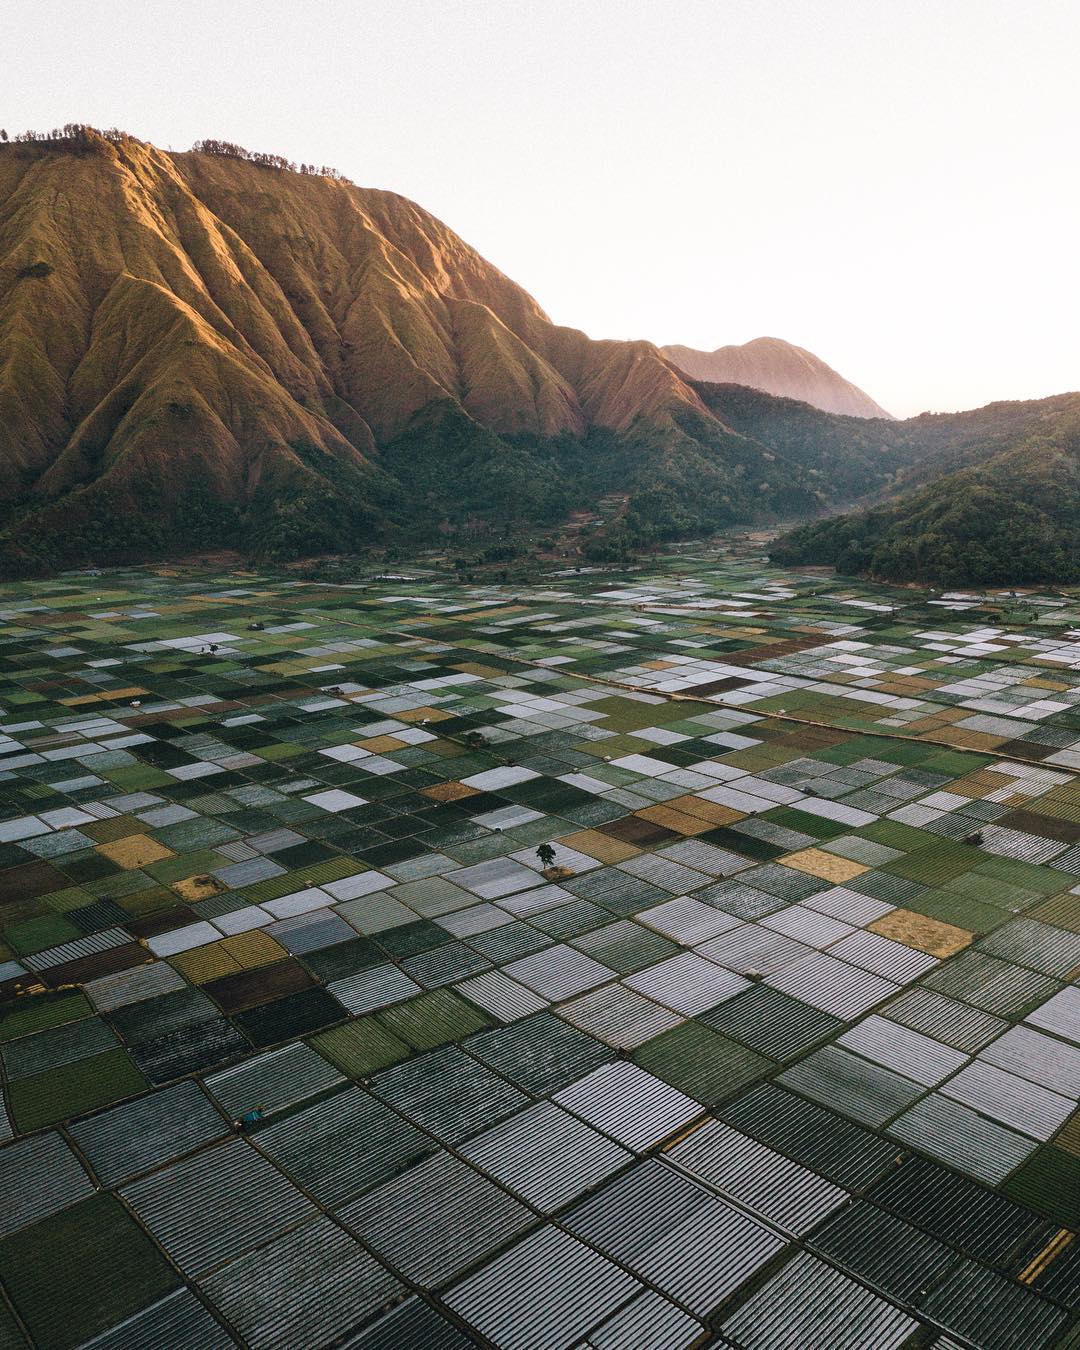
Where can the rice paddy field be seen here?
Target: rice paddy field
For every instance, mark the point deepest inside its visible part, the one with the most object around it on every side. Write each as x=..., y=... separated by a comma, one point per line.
x=783, y=1052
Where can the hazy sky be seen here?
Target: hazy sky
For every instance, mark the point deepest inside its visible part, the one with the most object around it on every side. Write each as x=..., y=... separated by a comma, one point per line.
x=891, y=183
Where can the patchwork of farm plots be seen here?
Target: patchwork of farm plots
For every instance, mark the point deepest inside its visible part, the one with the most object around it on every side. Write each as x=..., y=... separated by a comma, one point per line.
x=783, y=1050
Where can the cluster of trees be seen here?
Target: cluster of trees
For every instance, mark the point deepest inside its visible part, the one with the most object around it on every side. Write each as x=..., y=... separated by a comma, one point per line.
x=79, y=138
x=847, y=457
x=230, y=150
x=73, y=138
x=853, y=458
x=448, y=468
x=450, y=472
x=336, y=508
x=619, y=543
x=104, y=527
x=1014, y=520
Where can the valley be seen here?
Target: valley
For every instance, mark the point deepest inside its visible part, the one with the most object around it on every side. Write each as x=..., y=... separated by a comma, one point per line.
x=539, y=676
x=210, y=350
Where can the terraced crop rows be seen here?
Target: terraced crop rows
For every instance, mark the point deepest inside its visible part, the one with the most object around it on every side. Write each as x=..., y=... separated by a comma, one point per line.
x=793, y=1024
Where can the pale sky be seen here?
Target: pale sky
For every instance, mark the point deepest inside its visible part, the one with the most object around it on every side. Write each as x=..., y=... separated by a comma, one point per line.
x=891, y=183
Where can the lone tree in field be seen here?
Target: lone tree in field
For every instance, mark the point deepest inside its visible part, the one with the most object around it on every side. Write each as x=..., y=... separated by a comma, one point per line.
x=546, y=854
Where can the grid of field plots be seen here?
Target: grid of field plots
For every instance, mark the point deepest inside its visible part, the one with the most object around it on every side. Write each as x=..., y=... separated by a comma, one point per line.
x=784, y=1053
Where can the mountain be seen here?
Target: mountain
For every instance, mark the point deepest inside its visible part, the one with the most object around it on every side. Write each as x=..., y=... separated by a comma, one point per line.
x=211, y=347
x=777, y=367
x=1008, y=517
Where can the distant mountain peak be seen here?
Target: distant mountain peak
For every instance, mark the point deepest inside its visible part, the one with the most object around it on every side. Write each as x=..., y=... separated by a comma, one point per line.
x=777, y=367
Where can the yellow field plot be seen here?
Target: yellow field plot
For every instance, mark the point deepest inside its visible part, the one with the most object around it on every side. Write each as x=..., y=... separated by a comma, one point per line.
x=969, y=740
x=203, y=964
x=1059, y=1243
x=600, y=846
x=254, y=948
x=923, y=933
x=678, y=821
x=904, y=688
x=815, y=862
x=449, y=792
x=135, y=851
x=713, y=812
x=925, y=725
x=200, y=887
x=107, y=696
x=377, y=744
x=422, y=715
x=243, y=951
x=980, y=783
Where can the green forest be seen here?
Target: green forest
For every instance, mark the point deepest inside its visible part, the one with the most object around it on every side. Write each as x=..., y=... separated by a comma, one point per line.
x=1014, y=520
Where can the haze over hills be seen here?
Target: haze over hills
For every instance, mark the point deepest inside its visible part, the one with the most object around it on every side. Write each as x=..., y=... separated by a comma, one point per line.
x=1004, y=508
x=777, y=367
x=990, y=496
